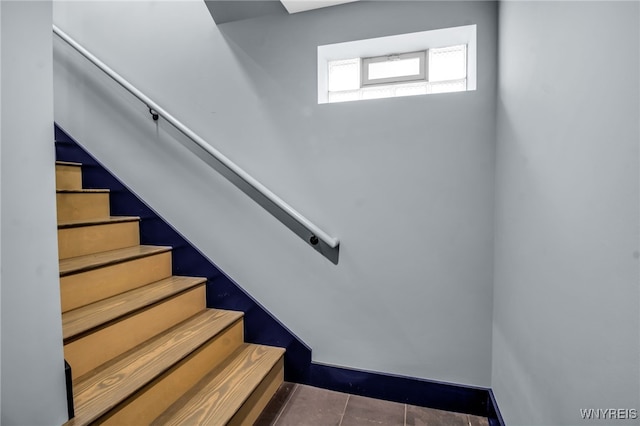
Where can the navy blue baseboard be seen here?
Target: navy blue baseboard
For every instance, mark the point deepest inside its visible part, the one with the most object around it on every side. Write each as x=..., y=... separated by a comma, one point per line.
x=493, y=412
x=260, y=326
x=406, y=390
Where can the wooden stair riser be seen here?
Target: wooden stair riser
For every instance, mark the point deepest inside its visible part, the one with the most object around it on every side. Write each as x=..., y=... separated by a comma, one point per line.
x=81, y=289
x=154, y=398
x=150, y=341
x=233, y=390
x=95, y=315
x=92, y=350
x=82, y=206
x=97, y=393
x=81, y=240
x=68, y=176
x=253, y=407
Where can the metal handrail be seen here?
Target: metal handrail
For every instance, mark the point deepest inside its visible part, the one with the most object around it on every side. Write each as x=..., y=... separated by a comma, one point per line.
x=316, y=237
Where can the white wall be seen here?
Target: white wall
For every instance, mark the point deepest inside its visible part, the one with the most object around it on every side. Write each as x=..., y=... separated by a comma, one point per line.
x=33, y=386
x=405, y=183
x=566, y=310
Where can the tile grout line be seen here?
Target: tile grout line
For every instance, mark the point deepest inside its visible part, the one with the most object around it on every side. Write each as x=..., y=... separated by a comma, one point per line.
x=295, y=389
x=405, y=414
x=344, y=410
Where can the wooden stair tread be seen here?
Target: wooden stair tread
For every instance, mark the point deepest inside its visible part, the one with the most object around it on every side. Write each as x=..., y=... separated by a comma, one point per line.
x=99, y=221
x=83, y=191
x=119, y=293
x=96, y=260
x=101, y=390
x=96, y=314
x=68, y=163
x=221, y=393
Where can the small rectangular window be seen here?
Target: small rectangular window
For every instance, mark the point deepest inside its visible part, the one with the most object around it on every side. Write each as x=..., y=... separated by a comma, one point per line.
x=421, y=63
x=393, y=68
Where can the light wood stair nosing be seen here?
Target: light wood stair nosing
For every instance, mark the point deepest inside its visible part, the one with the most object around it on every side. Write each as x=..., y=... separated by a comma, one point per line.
x=83, y=191
x=98, y=221
x=79, y=321
x=75, y=265
x=124, y=375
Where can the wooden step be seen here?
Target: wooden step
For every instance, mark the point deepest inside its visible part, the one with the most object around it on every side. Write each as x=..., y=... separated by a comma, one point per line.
x=88, y=279
x=82, y=204
x=88, y=237
x=142, y=346
x=105, y=311
x=88, y=351
x=154, y=398
x=234, y=393
x=93, y=261
x=68, y=175
x=88, y=222
x=157, y=371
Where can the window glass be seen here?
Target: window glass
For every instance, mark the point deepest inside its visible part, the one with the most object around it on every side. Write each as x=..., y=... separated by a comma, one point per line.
x=393, y=68
x=344, y=75
x=448, y=63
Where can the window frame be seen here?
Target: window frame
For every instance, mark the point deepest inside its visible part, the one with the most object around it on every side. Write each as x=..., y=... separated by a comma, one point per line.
x=365, y=62
x=409, y=42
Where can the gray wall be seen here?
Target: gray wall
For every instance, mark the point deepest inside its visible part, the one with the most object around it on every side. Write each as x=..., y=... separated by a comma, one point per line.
x=405, y=183
x=566, y=308
x=33, y=388
x=0, y=214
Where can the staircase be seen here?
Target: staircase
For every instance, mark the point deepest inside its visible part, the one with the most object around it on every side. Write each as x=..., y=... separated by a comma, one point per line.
x=142, y=346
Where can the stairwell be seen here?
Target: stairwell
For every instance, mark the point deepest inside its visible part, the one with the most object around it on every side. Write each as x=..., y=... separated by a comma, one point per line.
x=142, y=346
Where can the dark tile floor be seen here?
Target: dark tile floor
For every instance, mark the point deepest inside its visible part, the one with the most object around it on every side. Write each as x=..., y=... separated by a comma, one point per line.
x=301, y=405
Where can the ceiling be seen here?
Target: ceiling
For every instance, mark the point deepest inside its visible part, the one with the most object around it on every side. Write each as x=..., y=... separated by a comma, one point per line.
x=295, y=6
x=235, y=10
